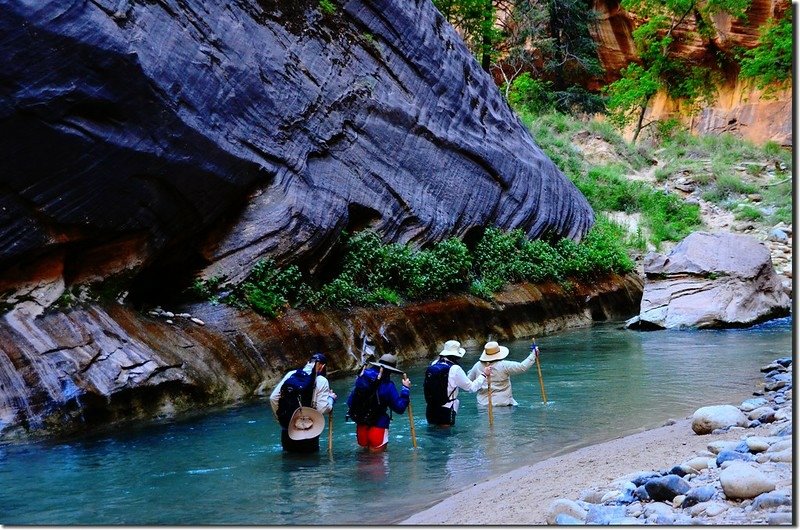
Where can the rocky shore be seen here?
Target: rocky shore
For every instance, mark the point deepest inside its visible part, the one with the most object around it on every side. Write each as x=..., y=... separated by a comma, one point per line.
x=721, y=466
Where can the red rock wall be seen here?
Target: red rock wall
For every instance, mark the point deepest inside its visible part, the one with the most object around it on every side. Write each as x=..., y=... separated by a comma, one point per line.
x=739, y=108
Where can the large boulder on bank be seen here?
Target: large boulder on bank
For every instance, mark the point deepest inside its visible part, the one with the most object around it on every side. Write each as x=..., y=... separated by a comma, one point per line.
x=711, y=280
x=706, y=419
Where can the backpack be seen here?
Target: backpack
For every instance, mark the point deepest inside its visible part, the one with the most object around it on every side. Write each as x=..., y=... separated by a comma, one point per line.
x=296, y=391
x=435, y=384
x=365, y=406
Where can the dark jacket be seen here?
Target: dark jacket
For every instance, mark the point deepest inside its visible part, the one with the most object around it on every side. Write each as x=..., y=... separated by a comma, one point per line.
x=388, y=397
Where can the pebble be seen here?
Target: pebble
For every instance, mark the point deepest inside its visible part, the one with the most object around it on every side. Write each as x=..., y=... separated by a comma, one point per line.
x=198, y=321
x=751, y=485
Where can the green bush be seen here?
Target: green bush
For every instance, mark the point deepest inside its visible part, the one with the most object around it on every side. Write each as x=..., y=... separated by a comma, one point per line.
x=327, y=7
x=771, y=60
x=749, y=213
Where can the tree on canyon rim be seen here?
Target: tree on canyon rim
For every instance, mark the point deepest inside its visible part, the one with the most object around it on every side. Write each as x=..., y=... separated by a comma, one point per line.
x=542, y=50
x=667, y=25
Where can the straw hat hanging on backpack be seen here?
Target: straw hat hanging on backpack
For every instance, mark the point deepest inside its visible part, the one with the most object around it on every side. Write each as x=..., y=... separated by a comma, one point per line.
x=300, y=394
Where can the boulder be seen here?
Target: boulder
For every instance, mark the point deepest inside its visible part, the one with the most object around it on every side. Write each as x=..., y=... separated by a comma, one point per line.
x=752, y=404
x=666, y=488
x=727, y=456
x=564, y=507
x=741, y=480
x=772, y=499
x=711, y=281
x=698, y=495
x=706, y=419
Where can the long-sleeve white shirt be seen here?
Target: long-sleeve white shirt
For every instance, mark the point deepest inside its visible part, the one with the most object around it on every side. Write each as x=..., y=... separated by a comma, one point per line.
x=457, y=379
x=501, y=380
x=322, y=399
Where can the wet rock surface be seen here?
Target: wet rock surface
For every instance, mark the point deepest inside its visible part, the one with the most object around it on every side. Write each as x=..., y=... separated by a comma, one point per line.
x=711, y=280
x=736, y=492
x=211, y=134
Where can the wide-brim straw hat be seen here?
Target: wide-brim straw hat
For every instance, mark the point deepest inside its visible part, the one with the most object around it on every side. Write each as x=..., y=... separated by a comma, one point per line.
x=493, y=352
x=389, y=362
x=306, y=423
x=452, y=348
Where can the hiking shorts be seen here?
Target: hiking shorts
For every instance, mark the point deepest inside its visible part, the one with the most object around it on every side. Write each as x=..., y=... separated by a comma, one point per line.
x=438, y=415
x=373, y=437
x=310, y=445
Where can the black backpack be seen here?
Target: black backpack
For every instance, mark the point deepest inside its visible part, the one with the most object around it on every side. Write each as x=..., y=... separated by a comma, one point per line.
x=435, y=384
x=296, y=391
x=365, y=406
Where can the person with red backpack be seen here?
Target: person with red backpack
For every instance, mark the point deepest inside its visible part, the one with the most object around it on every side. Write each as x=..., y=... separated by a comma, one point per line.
x=302, y=389
x=372, y=396
x=443, y=378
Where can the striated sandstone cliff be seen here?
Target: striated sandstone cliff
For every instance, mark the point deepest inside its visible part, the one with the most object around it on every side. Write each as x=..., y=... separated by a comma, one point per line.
x=191, y=134
x=739, y=108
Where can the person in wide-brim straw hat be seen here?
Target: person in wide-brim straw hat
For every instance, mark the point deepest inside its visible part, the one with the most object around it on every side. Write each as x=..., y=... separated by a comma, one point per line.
x=443, y=378
x=494, y=358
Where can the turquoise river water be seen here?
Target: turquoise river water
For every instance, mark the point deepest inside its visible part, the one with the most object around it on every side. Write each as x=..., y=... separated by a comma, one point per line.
x=227, y=467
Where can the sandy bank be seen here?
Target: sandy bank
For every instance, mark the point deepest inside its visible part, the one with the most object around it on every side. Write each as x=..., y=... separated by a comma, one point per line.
x=522, y=497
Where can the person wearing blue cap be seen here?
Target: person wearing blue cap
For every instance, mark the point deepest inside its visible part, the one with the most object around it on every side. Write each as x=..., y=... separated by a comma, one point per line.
x=305, y=387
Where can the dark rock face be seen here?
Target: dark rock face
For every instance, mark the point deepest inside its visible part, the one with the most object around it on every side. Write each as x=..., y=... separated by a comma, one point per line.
x=95, y=366
x=255, y=127
x=709, y=281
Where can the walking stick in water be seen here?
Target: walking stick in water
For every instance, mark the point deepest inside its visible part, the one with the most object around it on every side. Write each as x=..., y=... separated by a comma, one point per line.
x=539, y=368
x=489, y=387
x=330, y=432
x=411, y=418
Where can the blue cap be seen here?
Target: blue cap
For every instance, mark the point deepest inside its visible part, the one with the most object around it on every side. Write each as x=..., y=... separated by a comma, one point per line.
x=320, y=358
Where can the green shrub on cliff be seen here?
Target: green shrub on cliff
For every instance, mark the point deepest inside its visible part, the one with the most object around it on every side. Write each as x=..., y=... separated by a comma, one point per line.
x=771, y=61
x=372, y=273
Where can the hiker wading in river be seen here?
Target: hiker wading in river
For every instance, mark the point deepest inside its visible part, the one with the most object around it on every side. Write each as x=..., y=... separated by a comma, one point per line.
x=374, y=393
x=443, y=378
x=501, y=372
x=299, y=402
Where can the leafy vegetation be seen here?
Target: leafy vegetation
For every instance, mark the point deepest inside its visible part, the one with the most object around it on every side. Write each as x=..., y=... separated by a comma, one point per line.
x=372, y=273
x=327, y=7
x=660, y=68
x=771, y=61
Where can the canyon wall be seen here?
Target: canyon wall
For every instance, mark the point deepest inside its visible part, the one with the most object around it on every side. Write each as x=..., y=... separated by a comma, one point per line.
x=192, y=135
x=739, y=108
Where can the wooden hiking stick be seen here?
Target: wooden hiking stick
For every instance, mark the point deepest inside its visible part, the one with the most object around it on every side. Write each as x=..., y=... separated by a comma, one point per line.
x=489, y=387
x=539, y=369
x=330, y=432
x=411, y=418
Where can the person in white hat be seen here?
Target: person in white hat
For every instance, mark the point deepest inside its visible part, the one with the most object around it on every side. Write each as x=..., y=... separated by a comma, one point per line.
x=317, y=395
x=501, y=370
x=442, y=399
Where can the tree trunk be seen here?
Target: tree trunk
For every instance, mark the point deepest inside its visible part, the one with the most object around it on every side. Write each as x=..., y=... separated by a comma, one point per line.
x=639, y=121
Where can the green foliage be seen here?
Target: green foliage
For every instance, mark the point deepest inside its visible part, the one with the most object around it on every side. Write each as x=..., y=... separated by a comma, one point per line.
x=327, y=7
x=476, y=21
x=206, y=289
x=373, y=273
x=771, y=60
x=749, y=213
x=660, y=68
x=666, y=216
